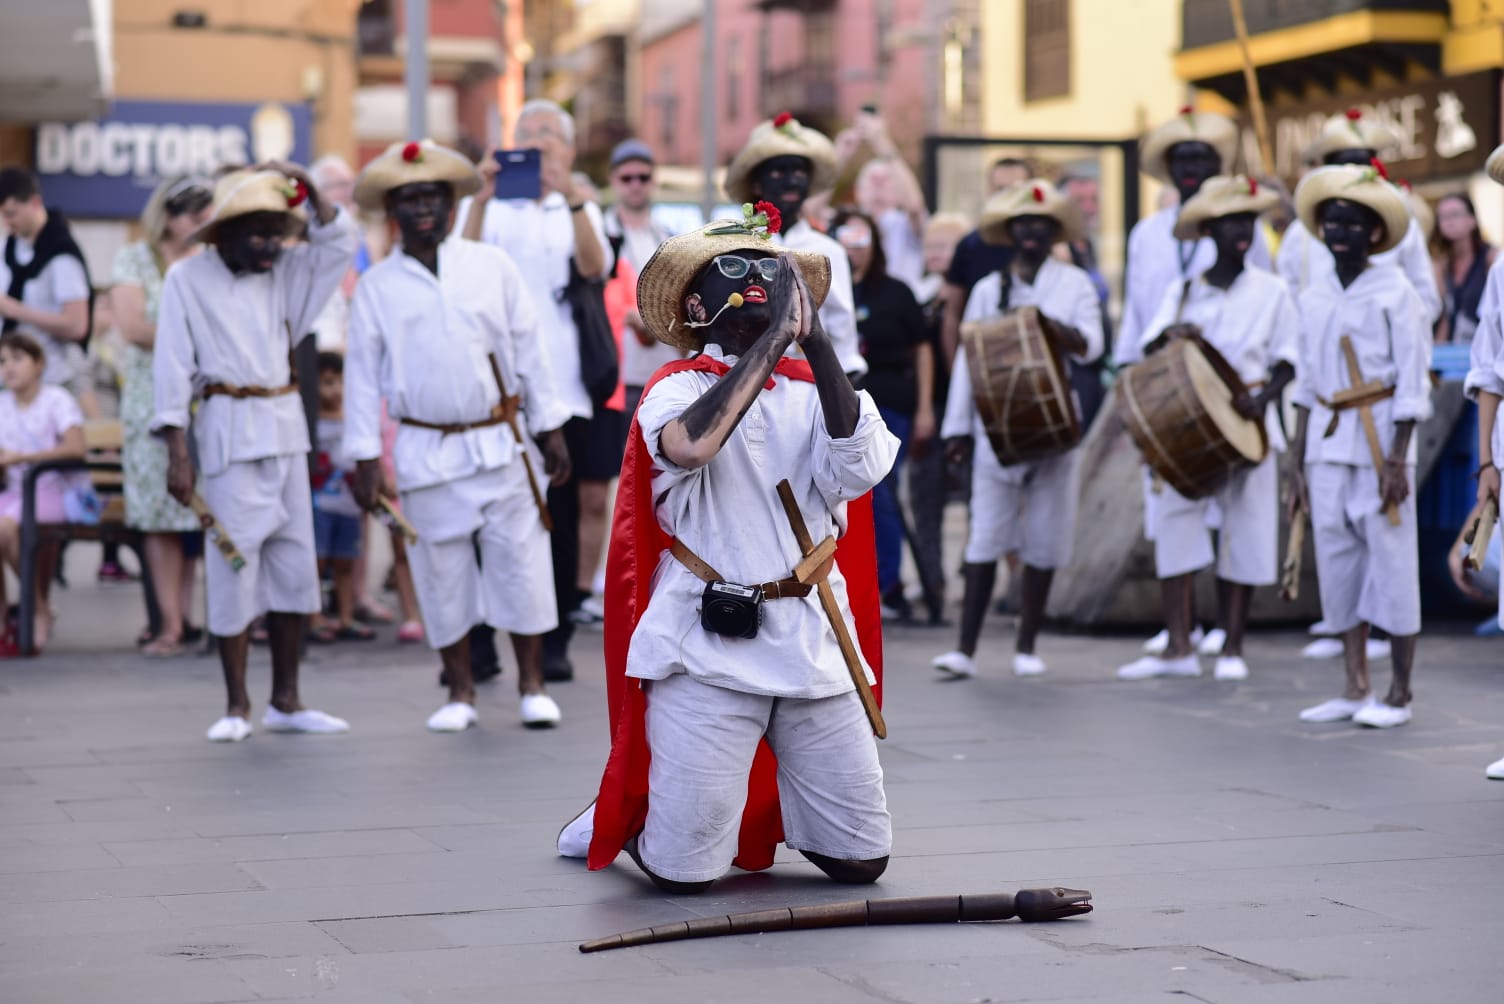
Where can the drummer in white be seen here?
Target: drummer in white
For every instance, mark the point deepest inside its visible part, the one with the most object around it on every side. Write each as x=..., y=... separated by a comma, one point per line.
x=1247, y=315
x=1362, y=316
x=1029, y=507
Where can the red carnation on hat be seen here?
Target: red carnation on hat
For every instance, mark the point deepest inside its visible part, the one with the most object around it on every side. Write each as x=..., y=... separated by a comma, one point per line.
x=1253, y=186
x=1038, y=194
x=1187, y=110
x=412, y=153
x=296, y=195
x=782, y=119
x=1378, y=165
x=1354, y=114
x=775, y=218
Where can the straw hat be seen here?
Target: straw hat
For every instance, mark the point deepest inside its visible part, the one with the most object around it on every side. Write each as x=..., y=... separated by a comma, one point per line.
x=1190, y=126
x=1494, y=166
x=241, y=193
x=1420, y=209
x=1350, y=130
x=782, y=136
x=1030, y=198
x=666, y=278
x=1363, y=185
x=409, y=164
x=1222, y=196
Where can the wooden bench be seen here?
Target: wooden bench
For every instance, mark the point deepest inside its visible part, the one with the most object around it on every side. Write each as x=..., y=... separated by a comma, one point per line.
x=103, y=441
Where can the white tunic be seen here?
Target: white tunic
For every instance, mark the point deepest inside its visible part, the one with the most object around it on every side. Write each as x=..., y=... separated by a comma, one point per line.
x=420, y=342
x=1156, y=261
x=1382, y=315
x=728, y=513
x=539, y=237
x=1487, y=370
x=838, y=312
x=217, y=327
x=1303, y=259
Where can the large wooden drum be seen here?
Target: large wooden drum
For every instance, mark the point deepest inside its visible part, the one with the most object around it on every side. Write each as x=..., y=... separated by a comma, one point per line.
x=1177, y=405
x=1021, y=386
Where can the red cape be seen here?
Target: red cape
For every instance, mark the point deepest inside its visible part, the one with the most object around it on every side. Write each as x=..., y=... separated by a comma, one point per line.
x=637, y=541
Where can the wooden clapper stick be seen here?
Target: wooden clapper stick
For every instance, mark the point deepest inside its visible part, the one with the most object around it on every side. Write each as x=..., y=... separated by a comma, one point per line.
x=1358, y=389
x=808, y=549
x=1478, y=532
x=216, y=532
x=392, y=517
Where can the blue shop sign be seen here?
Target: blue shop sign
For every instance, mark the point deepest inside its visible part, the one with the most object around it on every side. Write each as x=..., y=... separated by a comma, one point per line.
x=107, y=169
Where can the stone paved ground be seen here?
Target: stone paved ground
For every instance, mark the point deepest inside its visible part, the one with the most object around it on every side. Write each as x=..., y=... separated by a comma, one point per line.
x=1235, y=854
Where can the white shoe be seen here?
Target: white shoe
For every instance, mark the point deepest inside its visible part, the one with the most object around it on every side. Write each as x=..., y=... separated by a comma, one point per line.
x=1230, y=667
x=1378, y=648
x=1379, y=715
x=456, y=716
x=230, y=729
x=957, y=664
x=1152, y=665
x=539, y=711
x=1338, y=709
x=1025, y=664
x=1322, y=648
x=306, y=720
x=574, y=839
x=1321, y=629
x=1213, y=642
x=1495, y=770
x=1161, y=641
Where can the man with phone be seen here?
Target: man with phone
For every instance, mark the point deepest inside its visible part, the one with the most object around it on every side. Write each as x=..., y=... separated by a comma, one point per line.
x=542, y=232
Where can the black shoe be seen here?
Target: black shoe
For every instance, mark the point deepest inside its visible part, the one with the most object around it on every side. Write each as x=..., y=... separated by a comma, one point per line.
x=557, y=669
x=895, y=605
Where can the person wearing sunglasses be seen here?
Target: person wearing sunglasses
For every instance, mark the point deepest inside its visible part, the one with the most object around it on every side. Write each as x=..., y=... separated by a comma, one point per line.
x=634, y=236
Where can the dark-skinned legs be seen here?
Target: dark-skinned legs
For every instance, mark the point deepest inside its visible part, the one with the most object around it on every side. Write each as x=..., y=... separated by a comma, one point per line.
x=284, y=634
x=1036, y=594
x=233, y=654
x=1234, y=599
x=528, y=648
x=457, y=675
x=978, y=579
x=1402, y=659
x=1180, y=613
x=1355, y=662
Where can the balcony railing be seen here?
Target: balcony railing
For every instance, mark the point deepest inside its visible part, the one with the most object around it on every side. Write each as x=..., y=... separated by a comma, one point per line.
x=1207, y=22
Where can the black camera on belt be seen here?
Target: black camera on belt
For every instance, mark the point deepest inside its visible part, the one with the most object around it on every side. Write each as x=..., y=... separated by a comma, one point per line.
x=731, y=610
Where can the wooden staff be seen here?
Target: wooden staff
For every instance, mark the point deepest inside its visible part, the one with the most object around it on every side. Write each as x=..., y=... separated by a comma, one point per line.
x=1255, y=99
x=216, y=532
x=393, y=518
x=1028, y=905
x=1289, y=578
x=1478, y=533
x=833, y=613
x=1358, y=389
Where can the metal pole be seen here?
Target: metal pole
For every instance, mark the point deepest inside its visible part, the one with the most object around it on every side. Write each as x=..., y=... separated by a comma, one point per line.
x=415, y=73
x=708, y=130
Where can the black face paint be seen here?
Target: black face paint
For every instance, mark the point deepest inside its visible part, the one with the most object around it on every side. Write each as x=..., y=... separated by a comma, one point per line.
x=251, y=244
x=1190, y=164
x=422, y=212
x=1033, y=236
x=1232, y=235
x=737, y=328
x=1349, y=230
x=1357, y=155
x=784, y=181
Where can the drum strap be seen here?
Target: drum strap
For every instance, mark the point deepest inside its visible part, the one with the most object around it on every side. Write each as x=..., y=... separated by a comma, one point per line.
x=1005, y=297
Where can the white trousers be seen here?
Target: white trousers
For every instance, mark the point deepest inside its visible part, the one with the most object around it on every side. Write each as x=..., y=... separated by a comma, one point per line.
x=482, y=555
x=267, y=509
x=1029, y=508
x=702, y=739
x=1368, y=571
x=1248, y=549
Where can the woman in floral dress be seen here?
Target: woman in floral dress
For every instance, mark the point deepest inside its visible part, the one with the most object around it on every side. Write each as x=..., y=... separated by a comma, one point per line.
x=176, y=209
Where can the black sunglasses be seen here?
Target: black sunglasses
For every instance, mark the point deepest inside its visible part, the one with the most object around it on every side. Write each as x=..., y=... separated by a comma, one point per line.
x=641, y=179
x=191, y=201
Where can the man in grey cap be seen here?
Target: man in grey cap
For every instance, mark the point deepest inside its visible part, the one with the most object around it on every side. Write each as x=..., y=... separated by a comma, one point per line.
x=634, y=237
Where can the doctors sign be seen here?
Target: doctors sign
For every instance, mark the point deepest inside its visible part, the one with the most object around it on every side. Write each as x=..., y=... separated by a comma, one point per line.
x=107, y=169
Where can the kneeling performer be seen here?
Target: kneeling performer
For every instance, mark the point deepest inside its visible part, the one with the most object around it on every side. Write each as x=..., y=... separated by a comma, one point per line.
x=716, y=663
x=1027, y=507
x=444, y=331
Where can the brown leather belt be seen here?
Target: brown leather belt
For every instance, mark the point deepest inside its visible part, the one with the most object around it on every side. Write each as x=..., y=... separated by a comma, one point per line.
x=1347, y=400
x=502, y=414
x=240, y=393
x=807, y=574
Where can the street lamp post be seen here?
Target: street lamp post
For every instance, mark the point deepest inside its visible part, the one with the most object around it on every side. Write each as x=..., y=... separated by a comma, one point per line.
x=708, y=131
x=415, y=73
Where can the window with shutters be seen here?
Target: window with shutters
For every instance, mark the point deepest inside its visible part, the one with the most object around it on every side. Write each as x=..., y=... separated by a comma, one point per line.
x=1047, y=49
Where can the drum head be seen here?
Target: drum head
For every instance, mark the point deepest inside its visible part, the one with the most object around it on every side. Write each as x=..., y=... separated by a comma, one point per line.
x=1245, y=436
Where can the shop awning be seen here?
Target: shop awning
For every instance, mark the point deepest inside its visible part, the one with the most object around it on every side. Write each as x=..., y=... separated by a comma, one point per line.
x=55, y=60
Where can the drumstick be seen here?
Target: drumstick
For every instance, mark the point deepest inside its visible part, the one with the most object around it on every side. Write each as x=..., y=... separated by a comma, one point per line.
x=1478, y=533
x=216, y=532
x=393, y=518
x=1289, y=578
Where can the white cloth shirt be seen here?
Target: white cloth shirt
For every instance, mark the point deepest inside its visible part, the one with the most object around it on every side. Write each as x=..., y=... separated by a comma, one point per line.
x=903, y=247
x=1156, y=261
x=838, y=312
x=1486, y=372
x=1381, y=313
x=420, y=342
x=539, y=237
x=216, y=327
x=63, y=281
x=728, y=513
x=1303, y=258
x=1061, y=291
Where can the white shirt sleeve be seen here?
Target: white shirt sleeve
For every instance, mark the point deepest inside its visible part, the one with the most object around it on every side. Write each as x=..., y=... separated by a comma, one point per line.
x=544, y=409
x=1410, y=341
x=1284, y=340
x=838, y=315
x=960, y=406
x=1486, y=372
x=174, y=364
x=1416, y=261
x=665, y=402
x=1130, y=331
x=1163, y=317
x=848, y=468
x=1258, y=254
x=364, y=355
x=312, y=271
x=69, y=282
x=1086, y=315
